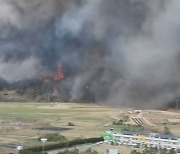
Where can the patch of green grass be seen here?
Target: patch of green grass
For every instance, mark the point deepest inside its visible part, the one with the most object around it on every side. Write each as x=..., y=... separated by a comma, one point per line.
x=88, y=119
x=33, y=112
x=122, y=127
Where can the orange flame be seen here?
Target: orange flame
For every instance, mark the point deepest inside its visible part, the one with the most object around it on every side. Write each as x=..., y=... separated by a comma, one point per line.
x=59, y=76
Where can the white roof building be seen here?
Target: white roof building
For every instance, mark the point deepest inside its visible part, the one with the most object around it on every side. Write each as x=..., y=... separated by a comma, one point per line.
x=112, y=151
x=144, y=138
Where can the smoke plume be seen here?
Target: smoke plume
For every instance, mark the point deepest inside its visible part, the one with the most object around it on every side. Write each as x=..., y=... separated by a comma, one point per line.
x=123, y=52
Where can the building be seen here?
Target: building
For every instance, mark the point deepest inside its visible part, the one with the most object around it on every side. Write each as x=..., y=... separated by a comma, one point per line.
x=142, y=139
x=112, y=151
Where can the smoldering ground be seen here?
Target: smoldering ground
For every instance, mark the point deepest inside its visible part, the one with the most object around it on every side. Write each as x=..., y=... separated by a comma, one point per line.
x=123, y=52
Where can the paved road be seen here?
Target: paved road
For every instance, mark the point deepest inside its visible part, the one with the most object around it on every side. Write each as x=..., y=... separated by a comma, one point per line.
x=84, y=146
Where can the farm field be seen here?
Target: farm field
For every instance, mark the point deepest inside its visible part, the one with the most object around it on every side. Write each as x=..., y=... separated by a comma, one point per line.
x=23, y=123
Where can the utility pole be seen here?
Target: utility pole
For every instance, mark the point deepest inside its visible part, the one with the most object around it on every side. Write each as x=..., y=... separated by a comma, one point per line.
x=43, y=140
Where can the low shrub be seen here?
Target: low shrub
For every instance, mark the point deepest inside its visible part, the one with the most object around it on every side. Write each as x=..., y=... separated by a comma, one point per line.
x=55, y=137
x=70, y=124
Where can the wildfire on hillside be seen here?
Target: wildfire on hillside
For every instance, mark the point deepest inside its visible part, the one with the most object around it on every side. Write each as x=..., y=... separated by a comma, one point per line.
x=57, y=77
x=60, y=75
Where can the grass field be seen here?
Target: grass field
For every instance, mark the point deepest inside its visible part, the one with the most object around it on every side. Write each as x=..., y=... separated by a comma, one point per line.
x=19, y=122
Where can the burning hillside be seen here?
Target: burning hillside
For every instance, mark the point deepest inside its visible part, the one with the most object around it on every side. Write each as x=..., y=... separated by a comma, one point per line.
x=57, y=77
x=126, y=52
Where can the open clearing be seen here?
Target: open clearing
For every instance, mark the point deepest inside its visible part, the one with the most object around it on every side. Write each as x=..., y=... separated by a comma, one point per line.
x=20, y=122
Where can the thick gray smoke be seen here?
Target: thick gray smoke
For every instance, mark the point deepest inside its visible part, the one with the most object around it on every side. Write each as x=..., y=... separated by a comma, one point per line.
x=123, y=52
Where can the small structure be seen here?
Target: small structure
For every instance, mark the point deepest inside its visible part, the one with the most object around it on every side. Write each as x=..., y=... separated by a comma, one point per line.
x=19, y=148
x=112, y=151
x=138, y=111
